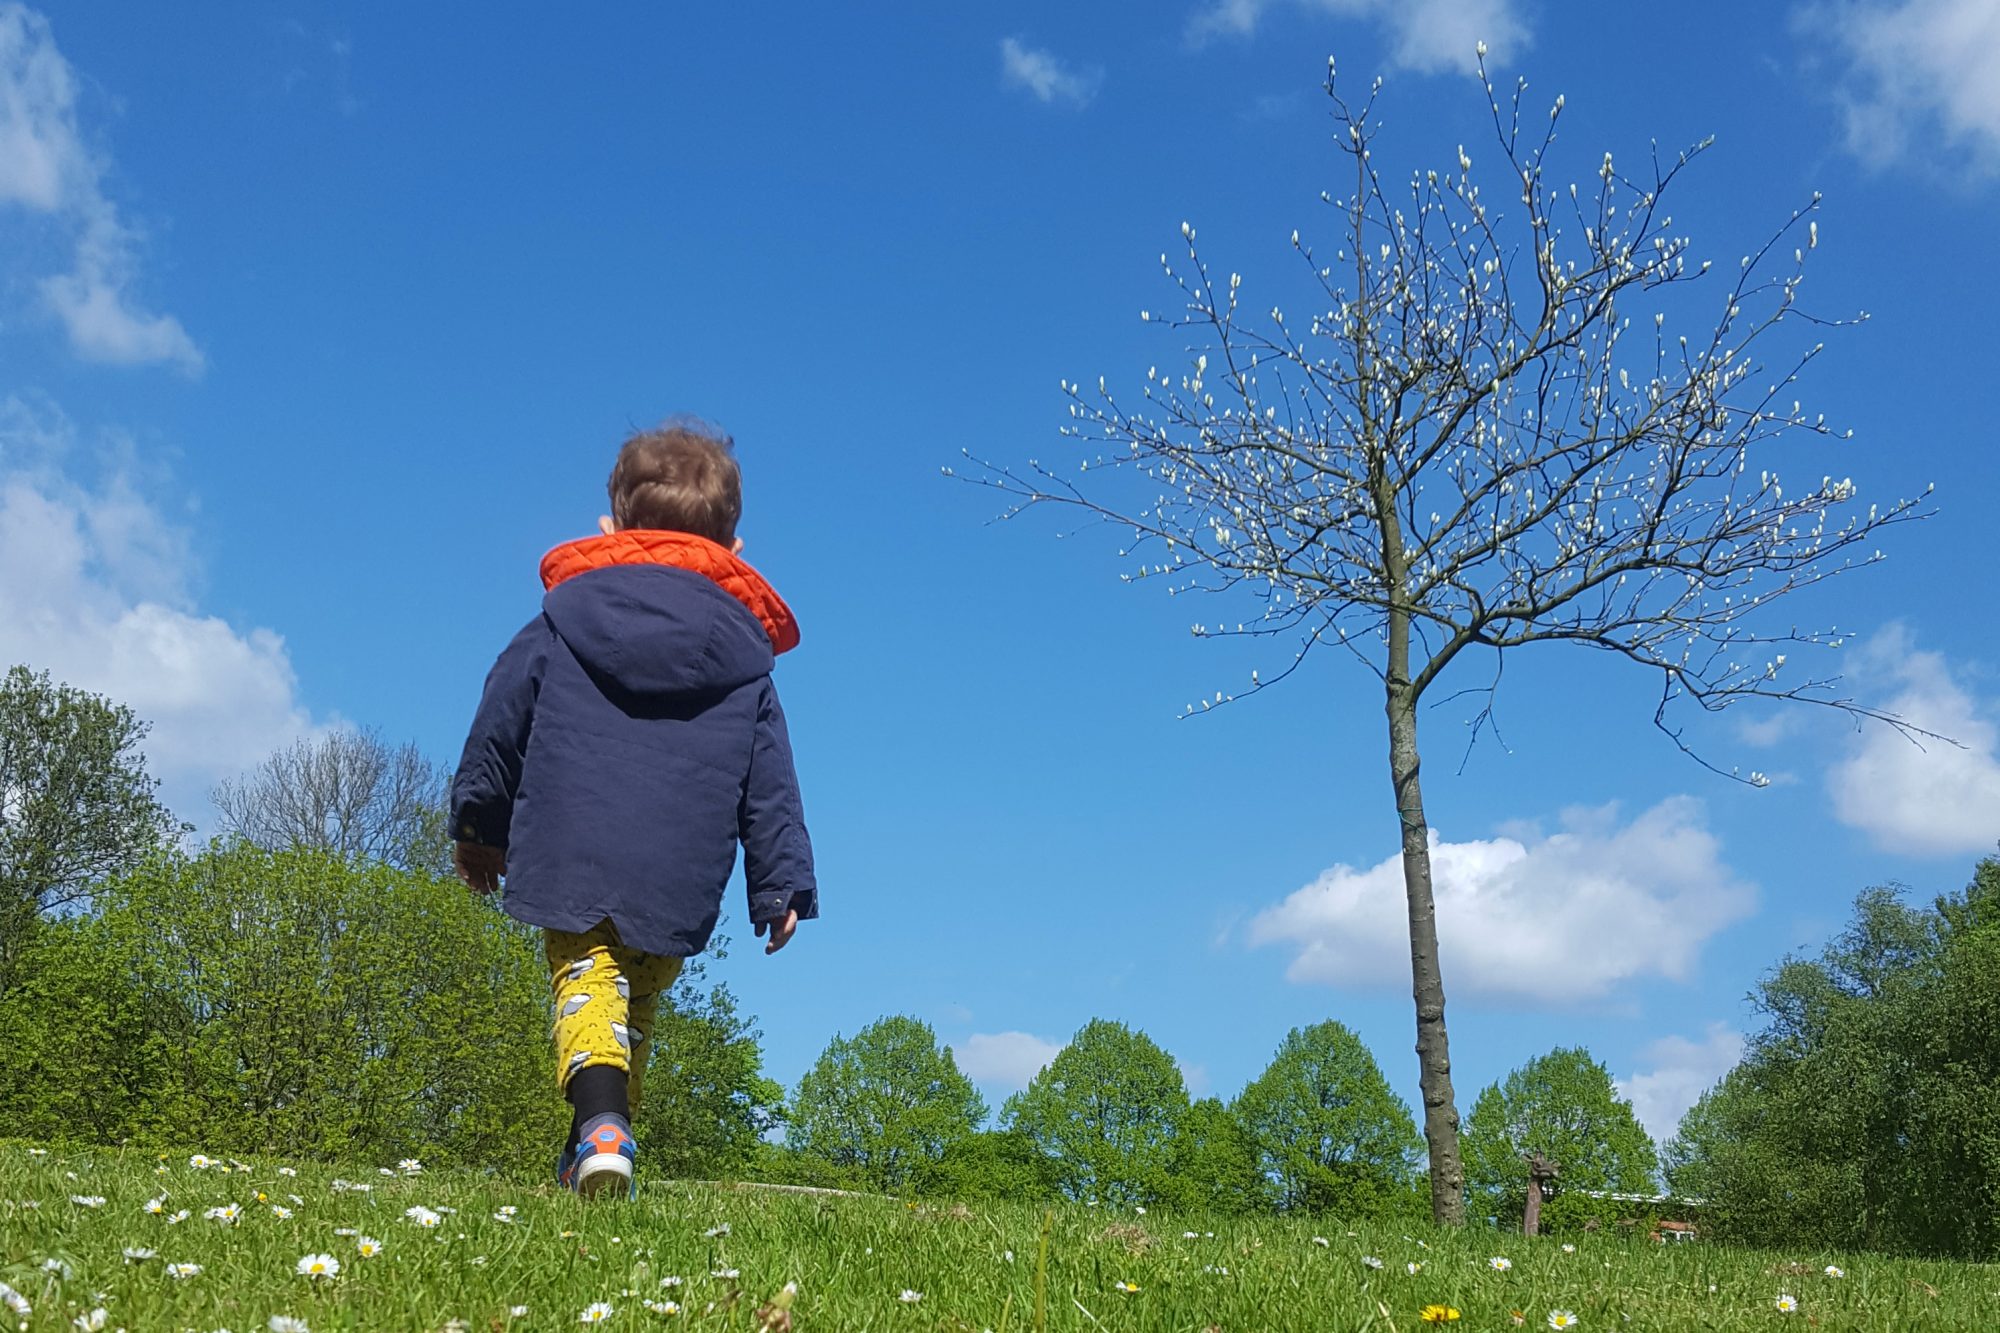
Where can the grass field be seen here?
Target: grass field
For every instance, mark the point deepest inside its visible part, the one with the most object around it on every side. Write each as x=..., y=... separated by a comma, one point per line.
x=89, y=1231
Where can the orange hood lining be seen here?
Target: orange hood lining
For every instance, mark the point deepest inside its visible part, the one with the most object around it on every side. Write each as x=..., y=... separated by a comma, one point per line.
x=679, y=550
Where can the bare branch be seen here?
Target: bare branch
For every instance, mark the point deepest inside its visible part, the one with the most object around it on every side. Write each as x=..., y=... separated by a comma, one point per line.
x=1486, y=427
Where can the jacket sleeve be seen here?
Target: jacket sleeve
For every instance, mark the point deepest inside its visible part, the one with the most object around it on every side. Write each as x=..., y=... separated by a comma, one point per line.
x=489, y=771
x=777, y=854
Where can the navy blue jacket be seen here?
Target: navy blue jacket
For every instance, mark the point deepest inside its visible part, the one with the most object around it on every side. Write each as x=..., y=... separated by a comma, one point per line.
x=626, y=740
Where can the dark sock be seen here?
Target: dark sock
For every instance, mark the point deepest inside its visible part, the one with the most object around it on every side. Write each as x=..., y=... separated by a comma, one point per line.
x=596, y=1090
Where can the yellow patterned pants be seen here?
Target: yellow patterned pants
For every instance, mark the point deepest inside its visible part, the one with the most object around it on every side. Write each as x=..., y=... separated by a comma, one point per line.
x=606, y=999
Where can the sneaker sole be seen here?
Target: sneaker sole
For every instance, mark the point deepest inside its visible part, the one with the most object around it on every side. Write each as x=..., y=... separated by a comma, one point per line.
x=604, y=1171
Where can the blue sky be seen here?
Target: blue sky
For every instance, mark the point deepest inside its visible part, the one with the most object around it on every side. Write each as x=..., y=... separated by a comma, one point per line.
x=318, y=324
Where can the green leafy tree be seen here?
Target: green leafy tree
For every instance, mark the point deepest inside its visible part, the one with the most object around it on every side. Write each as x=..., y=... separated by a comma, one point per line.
x=1215, y=1164
x=775, y=1164
x=300, y=1003
x=1561, y=1106
x=992, y=1165
x=1866, y=1112
x=1329, y=1132
x=1106, y=1110
x=707, y=1103
x=98, y=1048
x=888, y=1103
x=76, y=804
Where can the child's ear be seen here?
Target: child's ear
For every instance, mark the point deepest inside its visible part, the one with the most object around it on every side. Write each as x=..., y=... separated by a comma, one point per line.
x=605, y=525
x=736, y=548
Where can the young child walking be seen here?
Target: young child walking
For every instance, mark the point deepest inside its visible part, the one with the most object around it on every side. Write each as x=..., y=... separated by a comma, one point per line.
x=628, y=738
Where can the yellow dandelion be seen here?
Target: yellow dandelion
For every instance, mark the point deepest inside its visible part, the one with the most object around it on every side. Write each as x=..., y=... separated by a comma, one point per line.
x=1439, y=1314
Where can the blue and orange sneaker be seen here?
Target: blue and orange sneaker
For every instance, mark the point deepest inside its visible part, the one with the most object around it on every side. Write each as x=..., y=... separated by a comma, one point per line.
x=566, y=1166
x=603, y=1159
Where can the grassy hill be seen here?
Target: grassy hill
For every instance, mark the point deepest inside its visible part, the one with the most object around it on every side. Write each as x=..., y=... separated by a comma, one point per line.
x=82, y=1231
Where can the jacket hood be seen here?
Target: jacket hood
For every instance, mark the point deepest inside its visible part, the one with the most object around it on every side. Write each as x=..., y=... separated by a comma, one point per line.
x=659, y=614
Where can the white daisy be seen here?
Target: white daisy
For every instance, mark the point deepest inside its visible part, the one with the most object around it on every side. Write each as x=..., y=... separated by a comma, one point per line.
x=183, y=1270
x=596, y=1313
x=662, y=1307
x=87, y=1200
x=1321, y=1241
x=670, y=1281
x=319, y=1265
x=715, y=1231
x=909, y=1297
x=410, y=1166
x=423, y=1217
x=1499, y=1264
x=282, y=1213
x=227, y=1214
x=726, y=1274
x=1568, y=1248
x=175, y=1219
x=1562, y=1319
x=284, y=1323
x=201, y=1163
x=288, y=1171
x=136, y=1255
x=93, y=1321
x=517, y=1312
x=367, y=1247
x=1786, y=1305
x=14, y=1300
x=1835, y=1270
x=1370, y=1261
x=157, y=1206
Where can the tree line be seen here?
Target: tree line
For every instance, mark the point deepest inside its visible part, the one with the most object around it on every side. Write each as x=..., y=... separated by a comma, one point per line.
x=312, y=983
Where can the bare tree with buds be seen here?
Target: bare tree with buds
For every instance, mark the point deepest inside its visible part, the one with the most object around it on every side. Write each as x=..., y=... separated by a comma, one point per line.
x=1488, y=434
x=347, y=791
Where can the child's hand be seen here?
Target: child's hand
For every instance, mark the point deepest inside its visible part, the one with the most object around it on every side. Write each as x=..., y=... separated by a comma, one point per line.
x=781, y=931
x=480, y=867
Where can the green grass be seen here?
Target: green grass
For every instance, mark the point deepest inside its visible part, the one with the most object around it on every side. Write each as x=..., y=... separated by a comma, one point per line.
x=977, y=1268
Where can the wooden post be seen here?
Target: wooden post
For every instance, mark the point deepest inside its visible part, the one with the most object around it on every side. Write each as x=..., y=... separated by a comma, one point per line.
x=1541, y=1175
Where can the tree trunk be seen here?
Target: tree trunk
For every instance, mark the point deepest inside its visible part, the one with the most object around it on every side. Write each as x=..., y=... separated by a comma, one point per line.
x=1426, y=980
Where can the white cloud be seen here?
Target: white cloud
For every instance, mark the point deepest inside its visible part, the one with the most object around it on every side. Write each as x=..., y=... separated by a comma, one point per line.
x=1913, y=72
x=1932, y=798
x=46, y=168
x=98, y=592
x=1045, y=76
x=1681, y=1071
x=1004, y=1059
x=1427, y=35
x=1542, y=919
x=1774, y=727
